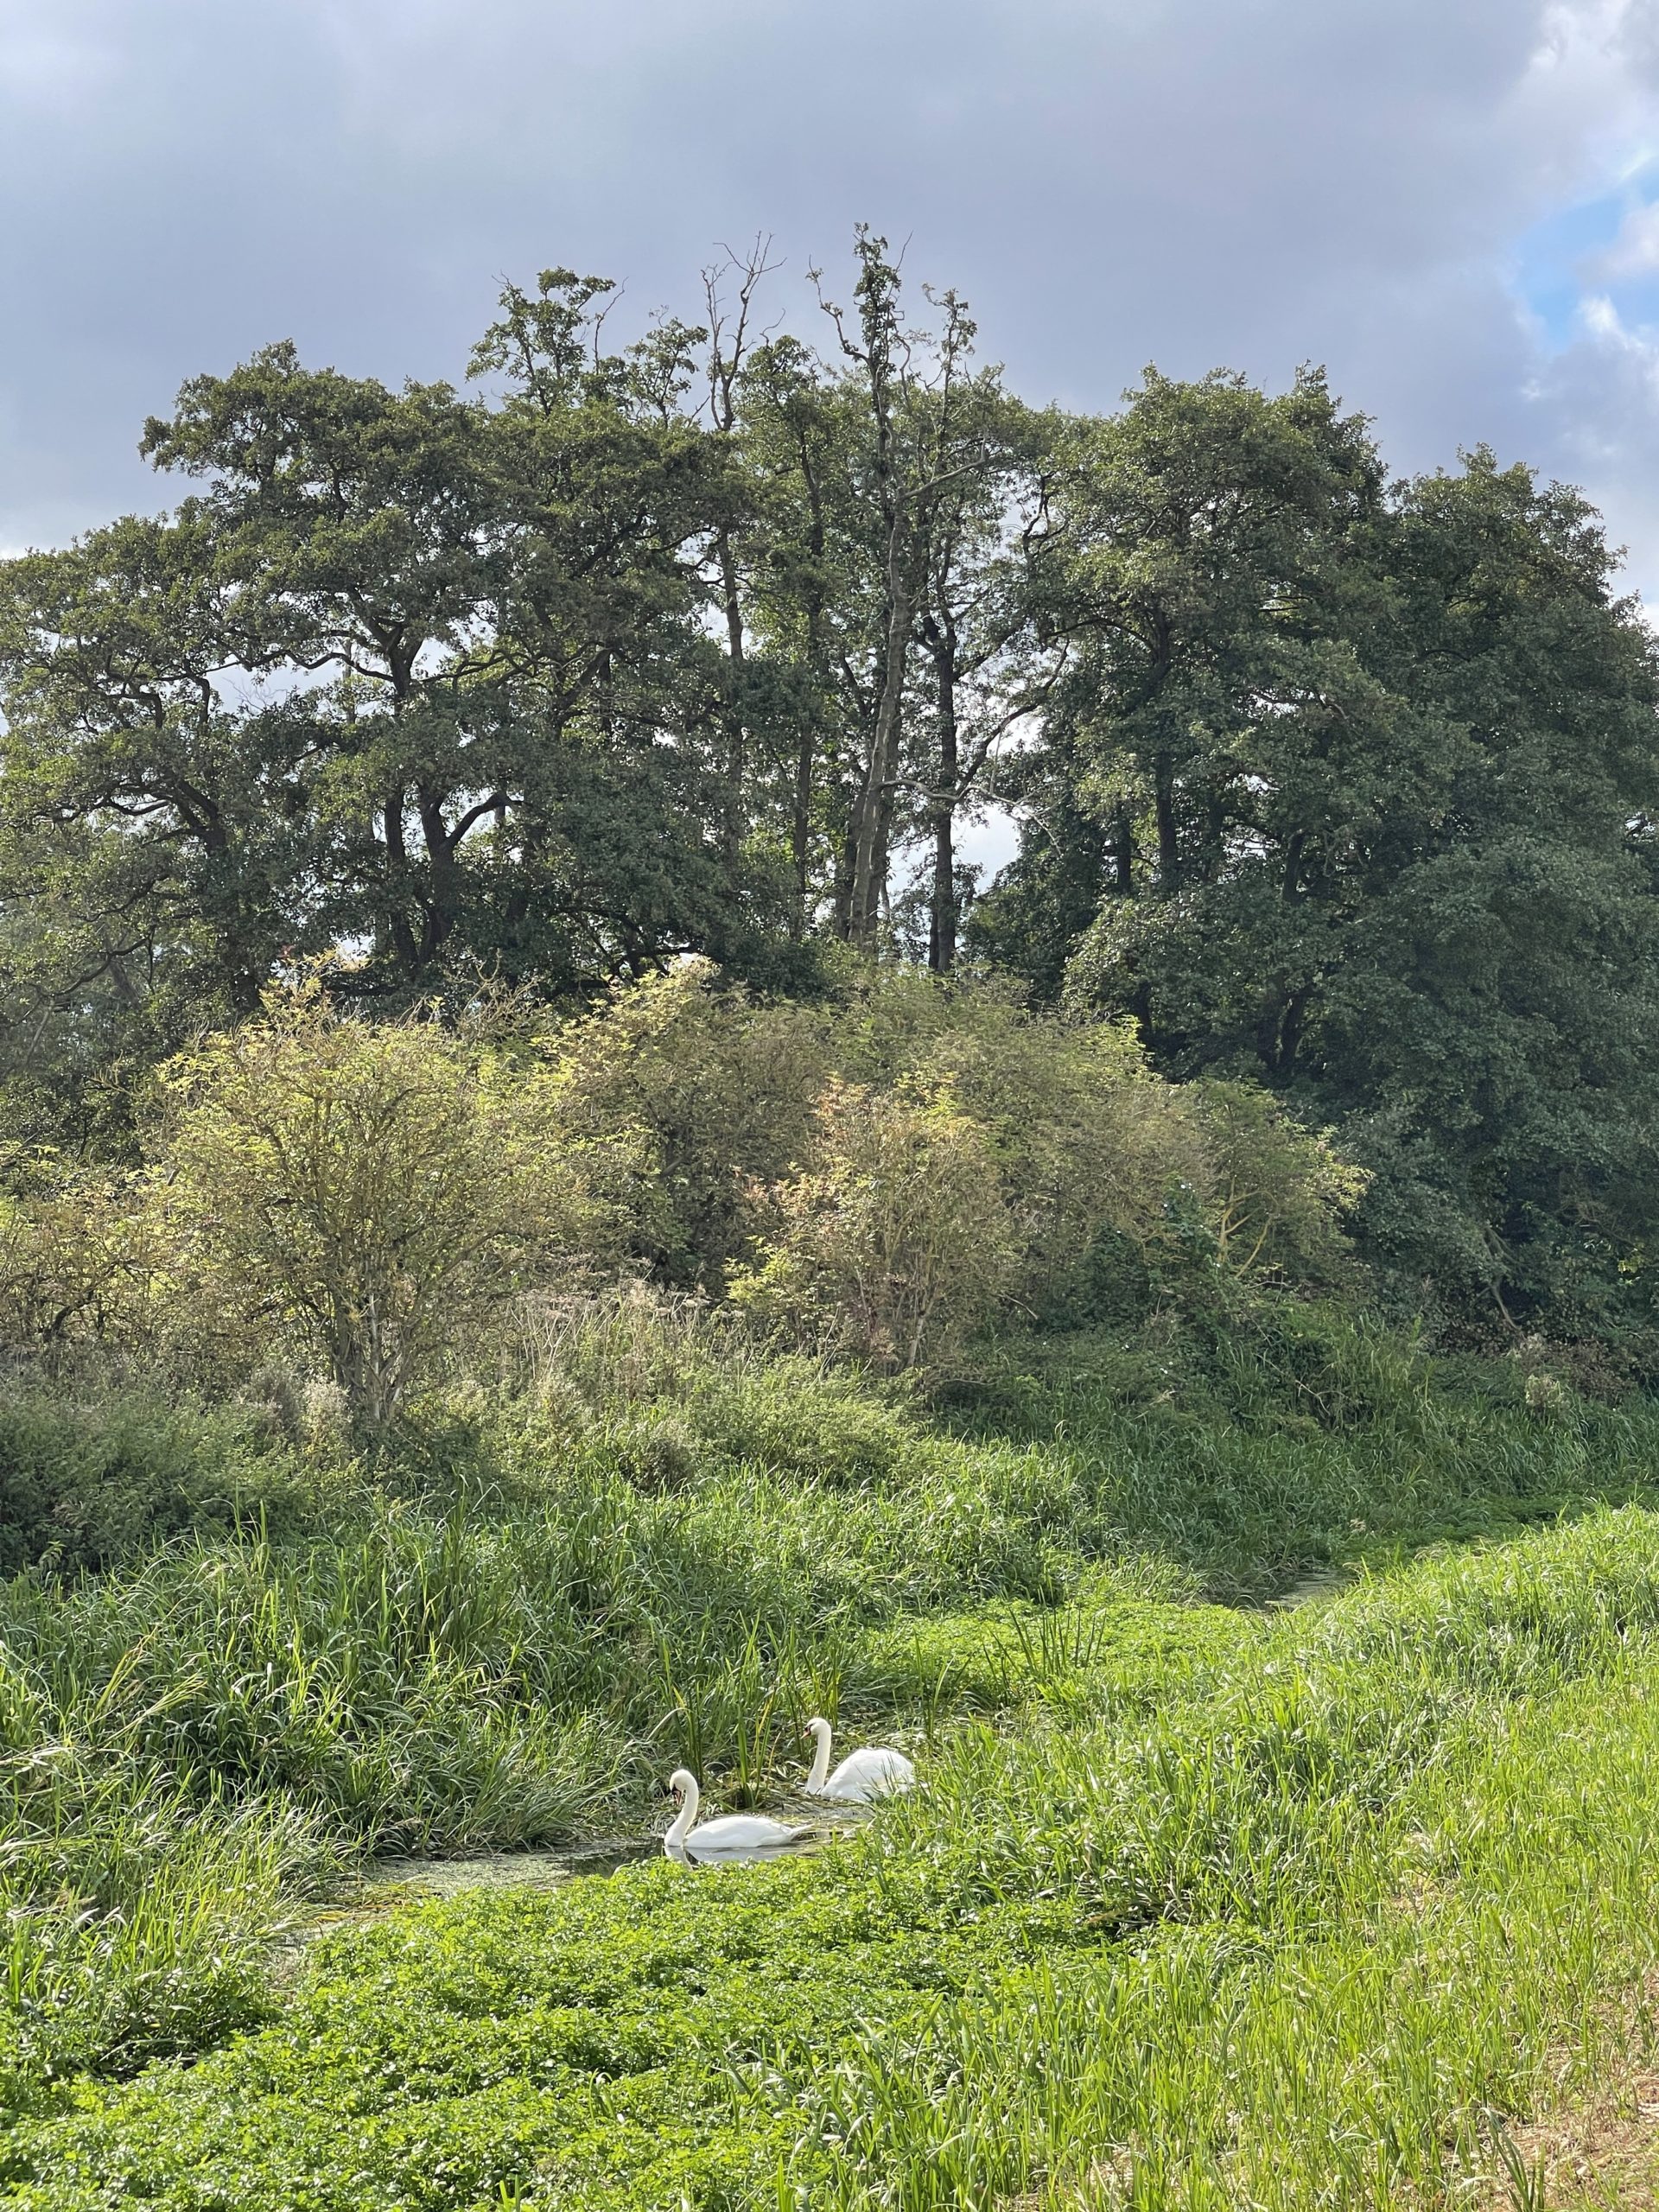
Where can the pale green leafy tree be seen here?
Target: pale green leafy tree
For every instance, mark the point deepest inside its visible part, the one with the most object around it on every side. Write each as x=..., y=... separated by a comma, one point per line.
x=373, y=1195
x=893, y=1244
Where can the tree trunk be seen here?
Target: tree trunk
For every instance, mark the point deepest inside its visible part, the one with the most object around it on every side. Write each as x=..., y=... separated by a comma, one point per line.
x=1122, y=854
x=942, y=919
x=736, y=737
x=806, y=746
x=397, y=929
x=800, y=829
x=442, y=908
x=873, y=816
x=1169, y=851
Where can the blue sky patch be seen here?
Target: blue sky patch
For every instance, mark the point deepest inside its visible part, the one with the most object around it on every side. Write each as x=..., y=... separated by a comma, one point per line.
x=1565, y=260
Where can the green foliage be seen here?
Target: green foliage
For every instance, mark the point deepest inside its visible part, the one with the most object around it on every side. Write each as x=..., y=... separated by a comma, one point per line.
x=1280, y=1192
x=139, y=1923
x=371, y=1194
x=535, y=1611
x=631, y=654
x=687, y=1323
x=885, y=1178
x=76, y=1261
x=891, y=1244
x=719, y=1092
x=630, y=1357
x=1285, y=1915
x=1024, y=1164
x=92, y=1483
x=1092, y=1152
x=1348, y=790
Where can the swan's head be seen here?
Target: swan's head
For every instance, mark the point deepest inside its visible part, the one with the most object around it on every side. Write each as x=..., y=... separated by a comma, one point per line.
x=818, y=1727
x=681, y=1780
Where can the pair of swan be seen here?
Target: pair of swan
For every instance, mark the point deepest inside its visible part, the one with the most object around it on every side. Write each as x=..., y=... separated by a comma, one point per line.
x=859, y=1778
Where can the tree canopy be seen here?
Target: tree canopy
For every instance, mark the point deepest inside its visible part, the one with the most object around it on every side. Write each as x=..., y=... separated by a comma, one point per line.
x=708, y=640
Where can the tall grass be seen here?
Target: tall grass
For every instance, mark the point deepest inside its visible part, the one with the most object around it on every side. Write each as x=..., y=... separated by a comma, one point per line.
x=654, y=1546
x=1401, y=1885
x=1317, y=1932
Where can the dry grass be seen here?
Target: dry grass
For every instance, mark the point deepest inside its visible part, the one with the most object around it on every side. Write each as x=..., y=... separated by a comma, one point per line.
x=1594, y=2153
x=1602, y=2156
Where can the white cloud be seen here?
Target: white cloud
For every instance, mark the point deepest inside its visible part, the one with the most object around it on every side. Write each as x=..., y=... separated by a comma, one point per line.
x=1633, y=252
x=1109, y=180
x=1600, y=319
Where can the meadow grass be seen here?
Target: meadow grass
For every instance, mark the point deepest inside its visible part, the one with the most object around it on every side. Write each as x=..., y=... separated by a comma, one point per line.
x=1142, y=1806
x=1312, y=1932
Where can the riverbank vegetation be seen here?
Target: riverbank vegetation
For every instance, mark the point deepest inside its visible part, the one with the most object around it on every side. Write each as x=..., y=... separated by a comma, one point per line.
x=657, y=1547
x=713, y=643
x=1195, y=1898
x=549, y=1231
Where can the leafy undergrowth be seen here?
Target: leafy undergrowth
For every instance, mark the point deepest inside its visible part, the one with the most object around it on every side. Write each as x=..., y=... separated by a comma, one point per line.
x=509, y=1629
x=1284, y=1924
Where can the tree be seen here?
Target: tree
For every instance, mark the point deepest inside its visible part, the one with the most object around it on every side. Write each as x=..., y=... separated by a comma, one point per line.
x=729, y=336
x=620, y=827
x=356, y=524
x=160, y=821
x=372, y=1193
x=1200, y=561
x=1363, y=776
x=812, y=610
x=989, y=668
x=423, y=676
x=884, y=588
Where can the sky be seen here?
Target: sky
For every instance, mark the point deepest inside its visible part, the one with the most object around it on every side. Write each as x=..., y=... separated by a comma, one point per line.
x=1452, y=204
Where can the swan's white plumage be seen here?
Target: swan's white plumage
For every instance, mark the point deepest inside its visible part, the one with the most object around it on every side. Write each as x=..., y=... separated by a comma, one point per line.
x=862, y=1776
x=735, y=1832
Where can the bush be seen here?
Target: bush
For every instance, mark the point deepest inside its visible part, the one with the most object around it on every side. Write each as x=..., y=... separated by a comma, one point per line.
x=893, y=1246
x=371, y=1195
x=1089, y=1144
x=719, y=1093
x=1025, y=1166
x=77, y=1260
x=879, y=1181
x=1281, y=1193
x=85, y=1485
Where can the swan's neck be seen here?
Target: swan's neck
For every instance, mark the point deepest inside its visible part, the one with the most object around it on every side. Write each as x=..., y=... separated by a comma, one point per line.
x=819, y=1775
x=687, y=1814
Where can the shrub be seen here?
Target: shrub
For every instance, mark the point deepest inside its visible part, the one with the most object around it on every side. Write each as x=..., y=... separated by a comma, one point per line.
x=719, y=1092
x=88, y=1484
x=1018, y=1164
x=725, y=1093
x=372, y=1194
x=894, y=1244
x=1089, y=1143
x=77, y=1262
x=1280, y=1193
x=878, y=1179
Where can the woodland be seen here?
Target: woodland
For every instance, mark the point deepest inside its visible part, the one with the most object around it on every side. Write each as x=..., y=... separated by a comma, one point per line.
x=558, y=1230
x=709, y=642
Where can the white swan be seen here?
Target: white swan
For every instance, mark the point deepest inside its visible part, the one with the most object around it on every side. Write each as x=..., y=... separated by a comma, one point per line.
x=862, y=1776
x=736, y=1832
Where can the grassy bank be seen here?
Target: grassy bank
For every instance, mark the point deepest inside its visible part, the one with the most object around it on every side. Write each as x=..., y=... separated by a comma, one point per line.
x=1154, y=1822
x=1298, y=1930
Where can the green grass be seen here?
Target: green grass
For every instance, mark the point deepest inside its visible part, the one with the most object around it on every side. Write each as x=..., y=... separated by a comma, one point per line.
x=1160, y=1831
x=1283, y=1939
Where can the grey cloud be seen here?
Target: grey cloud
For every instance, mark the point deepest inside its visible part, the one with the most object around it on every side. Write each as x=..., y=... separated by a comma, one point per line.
x=1109, y=181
